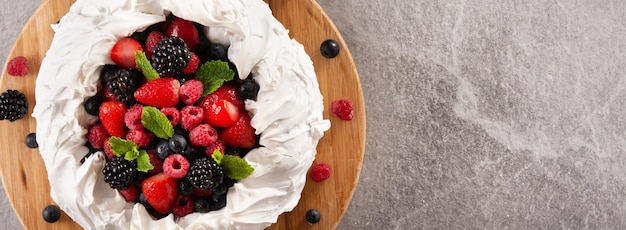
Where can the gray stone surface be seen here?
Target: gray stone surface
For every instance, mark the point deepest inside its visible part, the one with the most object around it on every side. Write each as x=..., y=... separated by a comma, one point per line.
x=480, y=114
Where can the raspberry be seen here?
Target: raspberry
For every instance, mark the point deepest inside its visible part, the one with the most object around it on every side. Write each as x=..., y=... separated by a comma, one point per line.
x=97, y=135
x=320, y=172
x=176, y=166
x=203, y=135
x=107, y=149
x=132, y=118
x=194, y=62
x=217, y=145
x=131, y=194
x=343, y=109
x=18, y=66
x=191, y=116
x=140, y=137
x=172, y=114
x=183, y=205
x=156, y=161
x=153, y=39
x=191, y=91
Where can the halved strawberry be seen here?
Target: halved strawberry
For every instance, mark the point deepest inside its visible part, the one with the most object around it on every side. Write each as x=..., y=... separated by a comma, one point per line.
x=112, y=117
x=160, y=191
x=123, y=52
x=241, y=134
x=221, y=114
x=184, y=29
x=228, y=91
x=160, y=93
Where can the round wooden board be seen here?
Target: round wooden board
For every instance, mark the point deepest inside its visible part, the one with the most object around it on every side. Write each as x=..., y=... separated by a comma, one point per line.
x=25, y=178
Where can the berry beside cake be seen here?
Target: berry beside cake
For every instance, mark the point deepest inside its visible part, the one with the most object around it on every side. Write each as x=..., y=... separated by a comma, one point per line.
x=171, y=114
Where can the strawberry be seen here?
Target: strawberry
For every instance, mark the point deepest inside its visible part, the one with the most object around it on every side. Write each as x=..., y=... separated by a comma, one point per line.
x=221, y=114
x=112, y=117
x=123, y=52
x=153, y=38
x=240, y=134
x=184, y=29
x=160, y=93
x=160, y=191
x=228, y=91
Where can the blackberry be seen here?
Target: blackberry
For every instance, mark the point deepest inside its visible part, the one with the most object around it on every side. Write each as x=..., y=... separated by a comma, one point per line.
x=170, y=56
x=13, y=105
x=204, y=173
x=119, y=172
x=123, y=83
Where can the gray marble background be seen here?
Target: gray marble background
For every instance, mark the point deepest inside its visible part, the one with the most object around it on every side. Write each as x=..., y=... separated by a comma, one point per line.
x=480, y=114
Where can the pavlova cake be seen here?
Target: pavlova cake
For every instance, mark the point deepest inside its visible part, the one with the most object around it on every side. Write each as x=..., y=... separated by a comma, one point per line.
x=176, y=114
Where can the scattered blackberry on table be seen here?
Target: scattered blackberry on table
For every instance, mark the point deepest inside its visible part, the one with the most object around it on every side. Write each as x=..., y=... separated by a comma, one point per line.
x=313, y=216
x=123, y=83
x=119, y=172
x=31, y=140
x=204, y=173
x=170, y=56
x=13, y=105
x=51, y=213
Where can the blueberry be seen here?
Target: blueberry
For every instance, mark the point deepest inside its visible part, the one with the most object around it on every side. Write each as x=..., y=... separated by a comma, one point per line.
x=313, y=216
x=329, y=48
x=185, y=187
x=163, y=149
x=51, y=213
x=31, y=140
x=92, y=105
x=178, y=143
x=220, y=189
x=217, y=51
x=219, y=201
x=203, y=205
x=249, y=89
x=190, y=152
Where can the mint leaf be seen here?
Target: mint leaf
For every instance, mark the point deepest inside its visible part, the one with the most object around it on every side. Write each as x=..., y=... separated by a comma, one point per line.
x=144, y=65
x=143, y=161
x=213, y=74
x=132, y=155
x=155, y=121
x=120, y=147
x=217, y=156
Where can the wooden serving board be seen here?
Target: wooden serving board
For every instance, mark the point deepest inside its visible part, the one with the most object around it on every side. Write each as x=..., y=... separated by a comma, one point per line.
x=25, y=178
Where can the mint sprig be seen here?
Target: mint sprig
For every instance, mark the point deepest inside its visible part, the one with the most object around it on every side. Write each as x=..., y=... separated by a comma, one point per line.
x=144, y=65
x=213, y=74
x=234, y=167
x=155, y=121
x=130, y=151
x=143, y=161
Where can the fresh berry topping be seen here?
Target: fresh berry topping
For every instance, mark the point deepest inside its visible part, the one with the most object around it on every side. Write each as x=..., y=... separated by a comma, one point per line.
x=203, y=205
x=177, y=143
x=320, y=172
x=313, y=216
x=241, y=134
x=97, y=135
x=131, y=194
x=228, y=91
x=156, y=161
x=216, y=145
x=176, y=166
x=222, y=114
x=141, y=137
x=172, y=114
x=193, y=65
x=184, y=29
x=132, y=118
x=17, y=66
x=51, y=213
x=343, y=109
x=163, y=149
x=123, y=52
x=202, y=135
x=123, y=84
x=31, y=140
x=191, y=116
x=112, y=117
x=217, y=51
x=170, y=56
x=106, y=95
x=107, y=149
x=92, y=105
x=119, y=172
x=329, y=48
x=204, y=173
x=202, y=192
x=185, y=187
x=153, y=39
x=160, y=191
x=191, y=91
x=218, y=201
x=183, y=205
x=190, y=152
x=249, y=89
x=160, y=93
x=13, y=105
